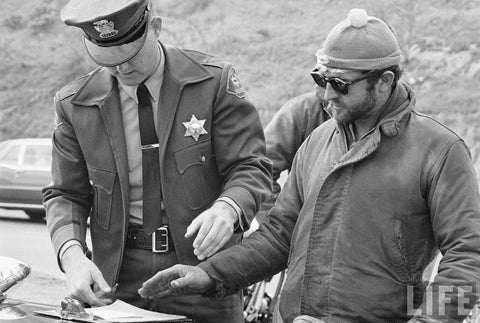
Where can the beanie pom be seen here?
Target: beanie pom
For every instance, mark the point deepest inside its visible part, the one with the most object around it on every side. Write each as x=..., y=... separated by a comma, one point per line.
x=358, y=18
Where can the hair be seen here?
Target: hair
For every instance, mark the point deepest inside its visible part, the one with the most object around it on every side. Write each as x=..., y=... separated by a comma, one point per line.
x=396, y=70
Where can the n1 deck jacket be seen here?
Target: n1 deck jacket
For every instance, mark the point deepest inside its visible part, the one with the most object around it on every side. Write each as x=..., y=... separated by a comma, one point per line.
x=90, y=171
x=356, y=227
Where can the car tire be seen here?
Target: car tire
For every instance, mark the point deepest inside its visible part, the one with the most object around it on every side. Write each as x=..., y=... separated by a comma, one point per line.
x=36, y=215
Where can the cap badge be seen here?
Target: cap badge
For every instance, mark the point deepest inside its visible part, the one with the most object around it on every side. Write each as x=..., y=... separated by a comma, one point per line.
x=105, y=28
x=195, y=128
x=234, y=86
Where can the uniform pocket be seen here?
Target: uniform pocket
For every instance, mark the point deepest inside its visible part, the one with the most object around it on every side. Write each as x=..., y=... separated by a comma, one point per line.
x=198, y=173
x=102, y=182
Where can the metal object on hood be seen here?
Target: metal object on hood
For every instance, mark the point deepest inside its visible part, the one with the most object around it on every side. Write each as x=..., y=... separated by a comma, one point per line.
x=73, y=309
x=11, y=272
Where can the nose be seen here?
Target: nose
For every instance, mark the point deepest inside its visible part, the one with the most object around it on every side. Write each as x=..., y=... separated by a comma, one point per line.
x=330, y=93
x=319, y=92
x=123, y=68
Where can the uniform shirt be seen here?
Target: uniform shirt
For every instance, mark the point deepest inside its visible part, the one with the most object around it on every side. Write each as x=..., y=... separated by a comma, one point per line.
x=129, y=106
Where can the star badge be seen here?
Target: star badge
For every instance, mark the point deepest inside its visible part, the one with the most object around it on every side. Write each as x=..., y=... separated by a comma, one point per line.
x=195, y=127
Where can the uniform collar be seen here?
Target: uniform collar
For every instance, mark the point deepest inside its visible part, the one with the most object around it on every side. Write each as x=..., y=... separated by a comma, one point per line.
x=179, y=67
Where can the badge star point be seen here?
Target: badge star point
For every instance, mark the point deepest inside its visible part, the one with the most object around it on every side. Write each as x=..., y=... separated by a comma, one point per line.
x=195, y=128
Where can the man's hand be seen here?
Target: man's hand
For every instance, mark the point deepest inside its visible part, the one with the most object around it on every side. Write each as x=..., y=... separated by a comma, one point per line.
x=83, y=275
x=177, y=280
x=215, y=227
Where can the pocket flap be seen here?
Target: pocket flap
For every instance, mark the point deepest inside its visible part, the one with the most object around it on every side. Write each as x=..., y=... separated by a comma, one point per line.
x=192, y=155
x=102, y=179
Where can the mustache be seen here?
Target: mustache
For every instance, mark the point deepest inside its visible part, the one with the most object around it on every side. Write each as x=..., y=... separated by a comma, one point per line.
x=332, y=104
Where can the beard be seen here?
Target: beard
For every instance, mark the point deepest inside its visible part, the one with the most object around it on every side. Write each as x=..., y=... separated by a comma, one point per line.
x=344, y=114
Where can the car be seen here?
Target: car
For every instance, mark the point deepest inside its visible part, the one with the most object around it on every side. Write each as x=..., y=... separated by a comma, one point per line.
x=24, y=170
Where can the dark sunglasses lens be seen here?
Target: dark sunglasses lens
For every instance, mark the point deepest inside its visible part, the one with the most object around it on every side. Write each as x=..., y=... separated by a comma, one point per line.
x=319, y=79
x=339, y=86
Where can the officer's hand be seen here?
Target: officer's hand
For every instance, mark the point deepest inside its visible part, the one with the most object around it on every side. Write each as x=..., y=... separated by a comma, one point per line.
x=177, y=280
x=81, y=276
x=214, y=226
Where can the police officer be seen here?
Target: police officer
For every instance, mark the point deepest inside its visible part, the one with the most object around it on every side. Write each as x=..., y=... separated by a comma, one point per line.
x=161, y=149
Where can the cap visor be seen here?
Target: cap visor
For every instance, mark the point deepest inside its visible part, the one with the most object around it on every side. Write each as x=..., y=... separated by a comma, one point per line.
x=115, y=55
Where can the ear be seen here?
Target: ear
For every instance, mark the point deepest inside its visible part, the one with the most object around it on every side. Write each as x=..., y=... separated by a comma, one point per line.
x=385, y=81
x=156, y=22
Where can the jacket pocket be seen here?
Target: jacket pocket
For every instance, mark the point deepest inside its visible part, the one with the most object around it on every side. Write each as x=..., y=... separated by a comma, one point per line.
x=198, y=173
x=102, y=182
x=400, y=255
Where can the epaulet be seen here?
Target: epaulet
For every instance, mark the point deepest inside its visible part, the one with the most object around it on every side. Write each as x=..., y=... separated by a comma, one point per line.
x=206, y=59
x=72, y=87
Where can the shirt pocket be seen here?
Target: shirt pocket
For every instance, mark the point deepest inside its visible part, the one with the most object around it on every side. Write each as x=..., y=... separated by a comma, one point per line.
x=198, y=173
x=102, y=182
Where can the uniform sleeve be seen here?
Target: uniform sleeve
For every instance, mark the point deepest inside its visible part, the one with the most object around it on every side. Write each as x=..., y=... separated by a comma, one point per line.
x=67, y=198
x=265, y=252
x=454, y=202
x=239, y=145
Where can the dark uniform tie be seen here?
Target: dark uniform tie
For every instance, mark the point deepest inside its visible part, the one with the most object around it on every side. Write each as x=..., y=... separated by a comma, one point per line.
x=150, y=163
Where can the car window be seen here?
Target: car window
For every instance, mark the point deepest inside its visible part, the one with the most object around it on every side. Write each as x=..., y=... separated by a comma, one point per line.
x=11, y=156
x=37, y=155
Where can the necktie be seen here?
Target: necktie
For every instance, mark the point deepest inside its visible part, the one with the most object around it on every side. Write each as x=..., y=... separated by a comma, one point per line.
x=150, y=163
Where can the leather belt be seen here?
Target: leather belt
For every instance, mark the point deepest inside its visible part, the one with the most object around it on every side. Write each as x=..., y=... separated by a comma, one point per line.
x=157, y=242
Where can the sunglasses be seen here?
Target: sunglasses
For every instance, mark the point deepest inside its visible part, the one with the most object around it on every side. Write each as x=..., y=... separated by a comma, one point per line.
x=339, y=85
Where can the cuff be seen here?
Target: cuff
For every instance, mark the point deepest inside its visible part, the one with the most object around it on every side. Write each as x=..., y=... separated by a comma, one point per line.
x=65, y=246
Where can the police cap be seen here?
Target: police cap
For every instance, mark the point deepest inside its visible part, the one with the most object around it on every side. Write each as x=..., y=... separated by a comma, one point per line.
x=114, y=30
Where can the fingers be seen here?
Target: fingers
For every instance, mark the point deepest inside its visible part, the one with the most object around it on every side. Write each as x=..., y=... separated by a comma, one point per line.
x=159, y=284
x=179, y=279
x=108, y=298
x=99, y=281
x=216, y=238
x=193, y=227
x=214, y=229
x=212, y=248
x=206, y=236
x=103, y=289
x=80, y=281
x=85, y=294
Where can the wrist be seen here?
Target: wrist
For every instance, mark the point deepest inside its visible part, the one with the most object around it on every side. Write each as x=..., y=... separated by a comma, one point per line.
x=228, y=210
x=71, y=257
x=214, y=289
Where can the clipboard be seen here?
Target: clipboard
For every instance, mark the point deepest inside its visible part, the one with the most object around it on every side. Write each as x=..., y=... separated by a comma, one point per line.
x=119, y=312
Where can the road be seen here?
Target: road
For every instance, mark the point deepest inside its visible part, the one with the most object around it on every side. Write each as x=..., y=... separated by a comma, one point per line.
x=27, y=241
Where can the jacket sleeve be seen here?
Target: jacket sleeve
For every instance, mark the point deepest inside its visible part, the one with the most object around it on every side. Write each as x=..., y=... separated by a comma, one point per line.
x=239, y=145
x=454, y=202
x=67, y=198
x=265, y=252
x=284, y=135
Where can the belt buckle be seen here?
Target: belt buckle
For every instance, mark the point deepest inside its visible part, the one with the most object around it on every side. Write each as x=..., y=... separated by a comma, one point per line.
x=163, y=231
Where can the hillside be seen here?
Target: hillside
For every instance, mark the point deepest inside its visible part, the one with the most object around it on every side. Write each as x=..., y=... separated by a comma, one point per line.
x=271, y=42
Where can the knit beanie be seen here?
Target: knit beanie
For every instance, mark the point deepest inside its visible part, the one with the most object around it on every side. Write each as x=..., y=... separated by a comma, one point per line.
x=360, y=42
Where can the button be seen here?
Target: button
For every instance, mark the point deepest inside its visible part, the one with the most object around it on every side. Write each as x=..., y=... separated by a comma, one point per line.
x=203, y=159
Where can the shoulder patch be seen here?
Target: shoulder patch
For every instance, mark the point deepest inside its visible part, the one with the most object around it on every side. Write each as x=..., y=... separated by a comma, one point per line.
x=234, y=86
